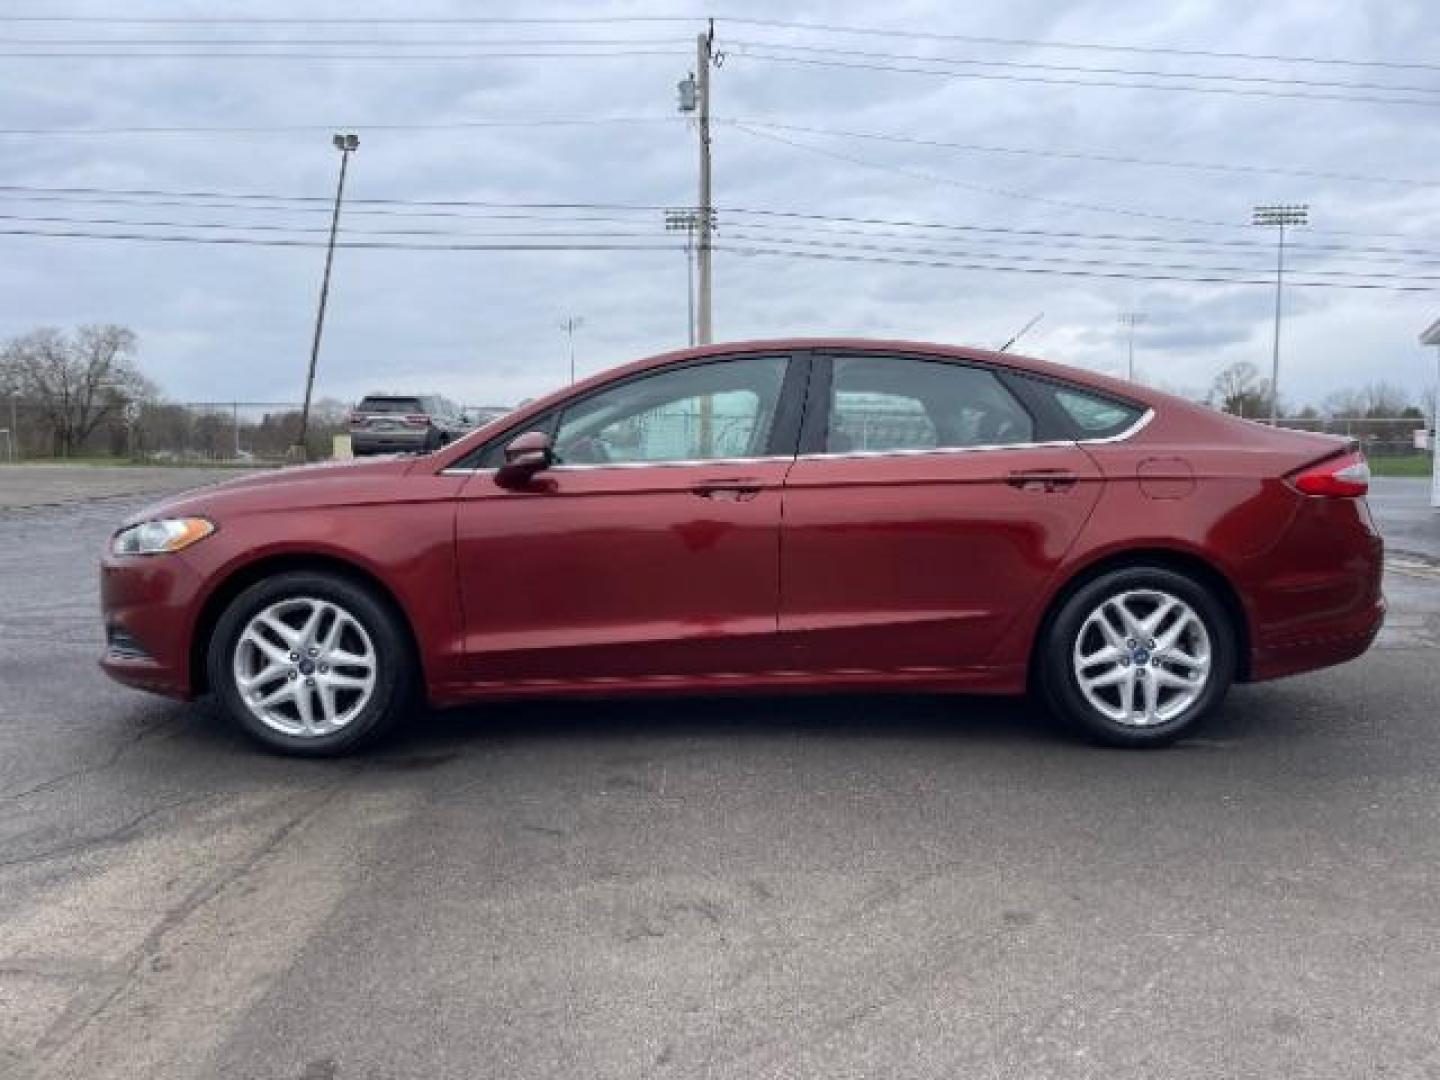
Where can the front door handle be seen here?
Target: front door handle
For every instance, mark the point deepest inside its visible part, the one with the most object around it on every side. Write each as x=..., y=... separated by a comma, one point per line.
x=739, y=489
x=1044, y=480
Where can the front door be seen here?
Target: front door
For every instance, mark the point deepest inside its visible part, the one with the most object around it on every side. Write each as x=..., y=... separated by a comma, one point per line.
x=650, y=550
x=927, y=514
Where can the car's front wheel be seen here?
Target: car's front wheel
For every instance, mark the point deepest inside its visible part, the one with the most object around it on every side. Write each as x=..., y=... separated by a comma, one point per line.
x=311, y=663
x=1138, y=656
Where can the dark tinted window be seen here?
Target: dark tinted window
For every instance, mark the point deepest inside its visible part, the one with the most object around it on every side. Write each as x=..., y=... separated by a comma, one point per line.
x=900, y=403
x=390, y=405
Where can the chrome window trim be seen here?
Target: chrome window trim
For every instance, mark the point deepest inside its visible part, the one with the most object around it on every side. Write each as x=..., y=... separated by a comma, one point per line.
x=928, y=451
x=669, y=464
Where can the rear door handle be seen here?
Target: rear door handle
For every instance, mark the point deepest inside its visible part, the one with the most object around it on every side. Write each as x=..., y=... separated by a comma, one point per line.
x=738, y=489
x=1045, y=480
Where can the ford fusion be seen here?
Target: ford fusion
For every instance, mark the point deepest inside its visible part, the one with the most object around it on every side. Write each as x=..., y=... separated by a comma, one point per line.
x=769, y=516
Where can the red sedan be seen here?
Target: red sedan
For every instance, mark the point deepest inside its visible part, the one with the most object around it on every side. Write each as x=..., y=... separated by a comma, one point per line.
x=782, y=515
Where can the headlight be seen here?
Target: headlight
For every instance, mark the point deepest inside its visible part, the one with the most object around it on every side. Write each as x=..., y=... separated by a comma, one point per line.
x=156, y=537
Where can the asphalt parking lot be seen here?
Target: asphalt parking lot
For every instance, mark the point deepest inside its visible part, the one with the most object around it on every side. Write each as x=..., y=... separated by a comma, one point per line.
x=842, y=887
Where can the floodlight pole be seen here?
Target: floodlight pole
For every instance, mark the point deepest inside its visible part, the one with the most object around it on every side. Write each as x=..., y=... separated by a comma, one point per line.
x=1432, y=337
x=1130, y=319
x=1278, y=216
x=570, y=325
x=347, y=144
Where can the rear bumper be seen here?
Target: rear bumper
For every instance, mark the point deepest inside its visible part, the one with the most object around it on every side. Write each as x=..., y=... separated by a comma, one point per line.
x=1320, y=647
x=387, y=442
x=1319, y=594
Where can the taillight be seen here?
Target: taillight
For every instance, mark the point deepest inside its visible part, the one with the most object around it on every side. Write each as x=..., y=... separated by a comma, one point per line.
x=417, y=420
x=356, y=417
x=1346, y=477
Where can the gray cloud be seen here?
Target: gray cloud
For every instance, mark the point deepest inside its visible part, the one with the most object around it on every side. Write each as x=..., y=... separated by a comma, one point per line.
x=222, y=323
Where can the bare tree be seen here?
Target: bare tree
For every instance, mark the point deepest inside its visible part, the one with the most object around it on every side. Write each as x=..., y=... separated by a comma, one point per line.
x=1240, y=390
x=75, y=382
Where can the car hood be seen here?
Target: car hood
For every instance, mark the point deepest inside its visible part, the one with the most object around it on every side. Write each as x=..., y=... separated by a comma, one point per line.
x=329, y=483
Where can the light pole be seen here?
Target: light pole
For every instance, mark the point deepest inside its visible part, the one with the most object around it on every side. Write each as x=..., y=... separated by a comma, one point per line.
x=675, y=221
x=1432, y=337
x=1278, y=216
x=1130, y=320
x=14, y=425
x=347, y=144
x=570, y=325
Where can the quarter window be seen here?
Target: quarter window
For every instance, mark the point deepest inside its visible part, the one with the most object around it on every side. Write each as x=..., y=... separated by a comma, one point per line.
x=1096, y=417
x=699, y=412
x=884, y=404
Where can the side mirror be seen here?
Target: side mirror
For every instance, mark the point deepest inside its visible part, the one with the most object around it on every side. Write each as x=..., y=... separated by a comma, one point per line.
x=525, y=455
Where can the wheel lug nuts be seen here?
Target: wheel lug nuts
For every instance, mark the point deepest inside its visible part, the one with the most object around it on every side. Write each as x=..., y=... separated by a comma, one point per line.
x=1150, y=644
x=309, y=682
x=294, y=674
x=1155, y=662
x=314, y=652
x=324, y=669
x=294, y=656
x=1141, y=672
x=1130, y=644
x=1124, y=661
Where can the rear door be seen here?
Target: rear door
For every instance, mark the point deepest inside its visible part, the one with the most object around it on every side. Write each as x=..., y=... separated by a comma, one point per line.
x=928, y=506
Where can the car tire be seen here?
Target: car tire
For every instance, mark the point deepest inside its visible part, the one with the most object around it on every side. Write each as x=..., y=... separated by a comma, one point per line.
x=353, y=666
x=1121, y=672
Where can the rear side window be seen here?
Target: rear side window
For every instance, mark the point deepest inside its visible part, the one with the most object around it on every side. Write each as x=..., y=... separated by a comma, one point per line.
x=390, y=405
x=891, y=404
x=1096, y=417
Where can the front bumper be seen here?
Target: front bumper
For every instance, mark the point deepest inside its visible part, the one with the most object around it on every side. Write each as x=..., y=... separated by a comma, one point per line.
x=148, y=605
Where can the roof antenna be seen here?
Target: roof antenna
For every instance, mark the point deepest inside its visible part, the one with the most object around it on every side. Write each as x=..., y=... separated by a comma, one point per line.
x=1021, y=332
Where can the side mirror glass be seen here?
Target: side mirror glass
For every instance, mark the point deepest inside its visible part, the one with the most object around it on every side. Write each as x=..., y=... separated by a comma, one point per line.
x=525, y=455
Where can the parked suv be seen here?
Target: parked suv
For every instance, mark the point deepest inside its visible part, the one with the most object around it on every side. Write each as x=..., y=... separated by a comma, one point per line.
x=386, y=424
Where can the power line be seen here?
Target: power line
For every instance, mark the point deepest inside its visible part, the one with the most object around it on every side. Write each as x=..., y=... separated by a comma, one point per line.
x=950, y=73
x=1048, y=242
x=1123, y=276
x=608, y=54
x=1031, y=65
x=256, y=129
x=1087, y=46
x=1201, y=275
x=772, y=24
x=1076, y=155
x=1064, y=204
x=564, y=211
x=1019, y=258
x=916, y=174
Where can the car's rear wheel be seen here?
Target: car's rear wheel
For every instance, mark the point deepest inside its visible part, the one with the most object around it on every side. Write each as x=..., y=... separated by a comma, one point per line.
x=311, y=663
x=1138, y=656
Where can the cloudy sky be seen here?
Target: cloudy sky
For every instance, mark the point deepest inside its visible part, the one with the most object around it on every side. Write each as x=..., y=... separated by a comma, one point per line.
x=477, y=132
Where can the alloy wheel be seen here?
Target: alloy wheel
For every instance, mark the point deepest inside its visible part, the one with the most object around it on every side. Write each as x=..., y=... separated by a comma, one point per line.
x=1142, y=657
x=305, y=667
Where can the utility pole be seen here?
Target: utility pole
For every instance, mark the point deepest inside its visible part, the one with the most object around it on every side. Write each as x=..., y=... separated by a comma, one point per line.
x=14, y=425
x=1130, y=320
x=1278, y=216
x=570, y=325
x=347, y=144
x=704, y=57
x=675, y=221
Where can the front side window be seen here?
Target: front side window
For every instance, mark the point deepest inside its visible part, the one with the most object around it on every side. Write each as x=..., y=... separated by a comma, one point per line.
x=699, y=412
x=888, y=404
